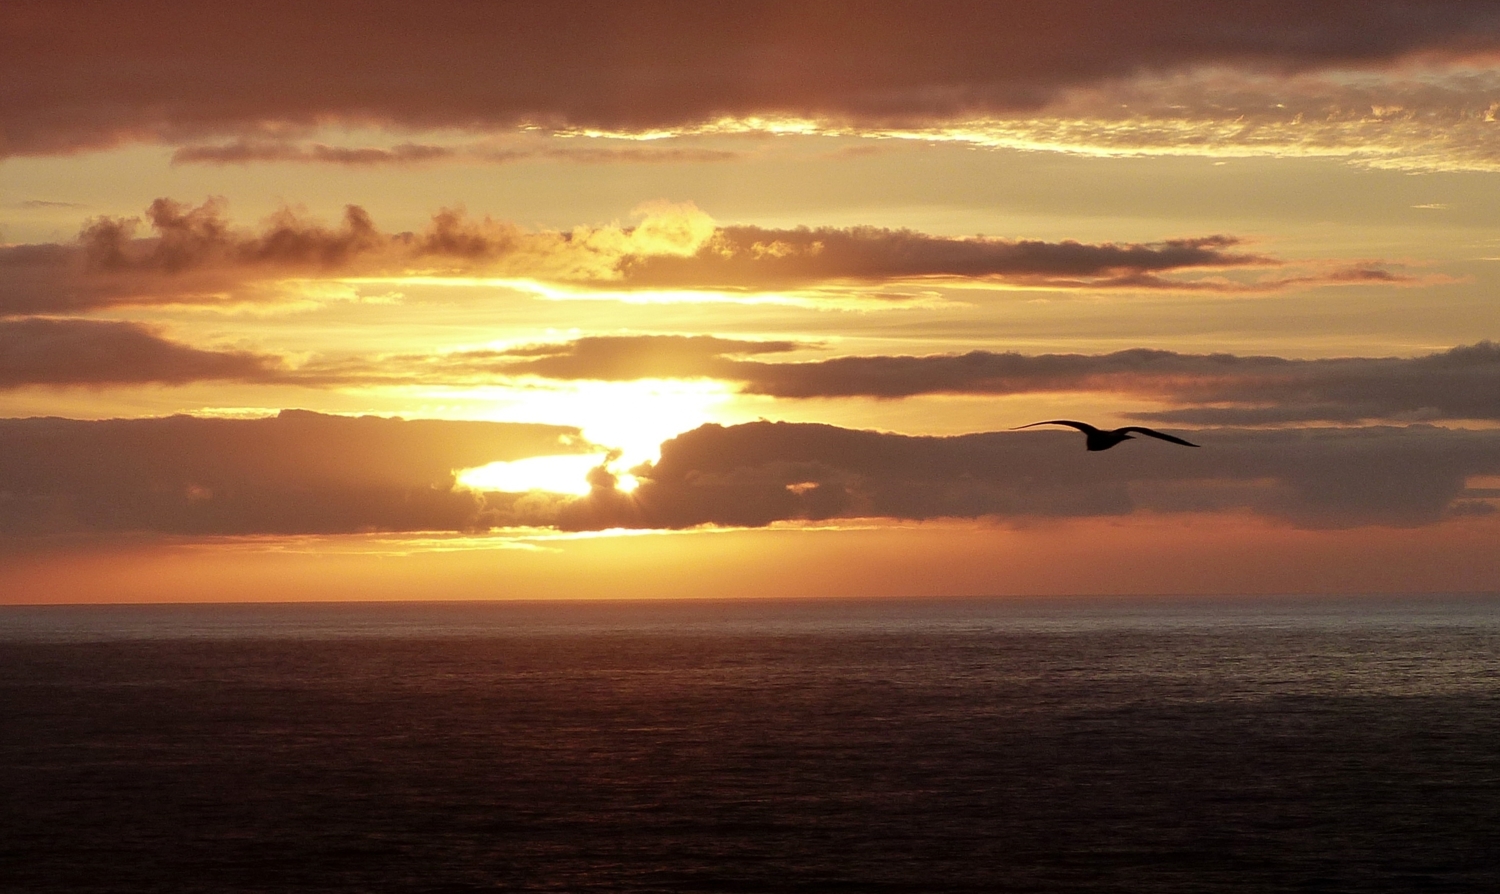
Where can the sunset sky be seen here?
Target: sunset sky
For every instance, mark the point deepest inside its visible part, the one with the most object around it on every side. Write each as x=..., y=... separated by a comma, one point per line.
x=466, y=300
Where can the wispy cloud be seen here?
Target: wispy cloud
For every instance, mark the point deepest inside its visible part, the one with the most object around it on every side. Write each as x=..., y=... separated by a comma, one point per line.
x=244, y=152
x=241, y=152
x=1421, y=116
x=755, y=257
x=1462, y=383
x=1458, y=384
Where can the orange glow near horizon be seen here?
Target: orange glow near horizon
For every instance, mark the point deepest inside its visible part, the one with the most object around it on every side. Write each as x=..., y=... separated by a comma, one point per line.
x=1152, y=556
x=896, y=260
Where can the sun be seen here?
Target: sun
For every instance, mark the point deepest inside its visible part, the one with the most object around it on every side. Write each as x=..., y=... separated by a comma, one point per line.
x=564, y=474
x=627, y=421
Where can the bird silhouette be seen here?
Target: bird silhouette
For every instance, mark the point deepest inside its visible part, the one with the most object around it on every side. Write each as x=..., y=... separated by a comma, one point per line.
x=1099, y=439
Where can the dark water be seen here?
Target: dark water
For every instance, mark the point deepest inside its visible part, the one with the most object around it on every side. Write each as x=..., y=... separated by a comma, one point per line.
x=1272, y=745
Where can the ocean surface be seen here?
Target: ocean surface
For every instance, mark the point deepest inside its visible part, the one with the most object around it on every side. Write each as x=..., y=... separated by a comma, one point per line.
x=1193, y=745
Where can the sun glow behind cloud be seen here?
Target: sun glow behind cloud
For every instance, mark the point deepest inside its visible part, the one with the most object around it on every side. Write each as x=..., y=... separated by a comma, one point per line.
x=566, y=474
x=628, y=420
x=822, y=299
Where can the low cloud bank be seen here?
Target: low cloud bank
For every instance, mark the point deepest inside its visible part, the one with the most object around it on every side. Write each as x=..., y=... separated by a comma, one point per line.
x=760, y=473
x=305, y=473
x=295, y=473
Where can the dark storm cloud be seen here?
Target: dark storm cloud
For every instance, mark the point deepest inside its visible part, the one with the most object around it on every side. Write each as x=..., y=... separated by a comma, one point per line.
x=756, y=474
x=105, y=352
x=79, y=75
x=298, y=472
x=195, y=254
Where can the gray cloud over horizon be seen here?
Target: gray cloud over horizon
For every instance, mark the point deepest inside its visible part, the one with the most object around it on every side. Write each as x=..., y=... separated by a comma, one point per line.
x=294, y=473
x=755, y=474
x=306, y=473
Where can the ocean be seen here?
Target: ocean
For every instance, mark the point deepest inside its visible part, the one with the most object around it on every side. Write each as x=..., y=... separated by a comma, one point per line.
x=1193, y=745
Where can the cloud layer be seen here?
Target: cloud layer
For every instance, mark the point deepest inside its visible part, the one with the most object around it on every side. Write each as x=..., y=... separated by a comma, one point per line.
x=241, y=152
x=195, y=254
x=107, y=352
x=759, y=258
x=303, y=473
x=1462, y=383
x=84, y=75
x=756, y=474
x=296, y=473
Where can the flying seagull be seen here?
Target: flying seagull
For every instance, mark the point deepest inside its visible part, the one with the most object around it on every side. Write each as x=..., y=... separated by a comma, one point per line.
x=1099, y=439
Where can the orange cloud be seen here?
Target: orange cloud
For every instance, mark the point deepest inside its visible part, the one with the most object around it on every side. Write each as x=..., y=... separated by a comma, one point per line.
x=760, y=258
x=756, y=474
x=240, y=152
x=107, y=352
x=85, y=75
x=244, y=152
x=1427, y=114
x=303, y=473
x=1462, y=383
x=196, y=255
x=298, y=472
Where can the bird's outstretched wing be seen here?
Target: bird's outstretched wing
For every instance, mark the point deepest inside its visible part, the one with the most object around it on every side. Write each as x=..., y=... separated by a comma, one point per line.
x=1141, y=430
x=1081, y=426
